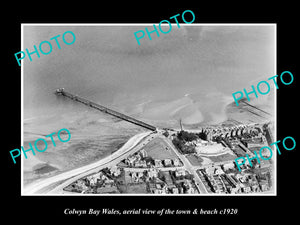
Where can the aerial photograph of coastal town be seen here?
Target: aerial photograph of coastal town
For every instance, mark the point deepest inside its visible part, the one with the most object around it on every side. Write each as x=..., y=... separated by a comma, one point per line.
x=182, y=162
x=155, y=119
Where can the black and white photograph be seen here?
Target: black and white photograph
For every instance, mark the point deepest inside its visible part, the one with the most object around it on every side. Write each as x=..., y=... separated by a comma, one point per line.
x=149, y=119
x=150, y=113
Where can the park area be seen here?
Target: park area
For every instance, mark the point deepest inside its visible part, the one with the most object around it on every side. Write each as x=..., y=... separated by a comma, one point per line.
x=159, y=149
x=196, y=160
x=222, y=158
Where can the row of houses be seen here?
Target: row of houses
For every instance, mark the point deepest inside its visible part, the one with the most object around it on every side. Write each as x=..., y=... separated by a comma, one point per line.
x=220, y=182
x=153, y=173
x=186, y=187
x=231, y=132
x=141, y=160
x=96, y=183
x=161, y=182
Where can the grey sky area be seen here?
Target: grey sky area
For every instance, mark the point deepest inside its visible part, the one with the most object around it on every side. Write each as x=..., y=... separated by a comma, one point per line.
x=193, y=68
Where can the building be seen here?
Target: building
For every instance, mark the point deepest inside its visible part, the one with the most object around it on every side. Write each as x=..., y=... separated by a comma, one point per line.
x=209, y=136
x=143, y=153
x=230, y=180
x=159, y=191
x=228, y=166
x=253, y=142
x=140, y=163
x=255, y=188
x=175, y=190
x=152, y=173
x=191, y=190
x=264, y=164
x=158, y=163
x=115, y=171
x=81, y=185
x=236, y=190
x=264, y=186
x=136, y=176
x=103, y=177
x=179, y=173
x=218, y=171
x=241, y=178
x=130, y=160
x=93, y=178
x=168, y=162
x=158, y=186
x=210, y=170
x=176, y=162
x=246, y=189
x=266, y=153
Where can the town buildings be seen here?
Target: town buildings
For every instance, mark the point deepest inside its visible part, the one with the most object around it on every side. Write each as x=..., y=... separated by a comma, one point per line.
x=143, y=173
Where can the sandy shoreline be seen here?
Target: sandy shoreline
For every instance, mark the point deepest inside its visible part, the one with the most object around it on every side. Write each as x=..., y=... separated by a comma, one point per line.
x=83, y=150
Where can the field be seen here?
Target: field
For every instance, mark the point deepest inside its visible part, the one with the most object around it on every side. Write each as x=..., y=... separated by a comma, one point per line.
x=200, y=161
x=194, y=160
x=221, y=158
x=140, y=188
x=158, y=149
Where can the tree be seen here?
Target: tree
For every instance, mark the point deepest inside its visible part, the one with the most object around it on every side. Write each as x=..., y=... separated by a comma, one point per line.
x=178, y=143
x=166, y=133
x=202, y=135
x=218, y=139
x=189, y=176
x=149, y=159
x=186, y=136
x=188, y=149
x=161, y=176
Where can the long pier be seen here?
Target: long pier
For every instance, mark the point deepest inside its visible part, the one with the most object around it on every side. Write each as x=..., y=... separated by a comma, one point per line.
x=101, y=108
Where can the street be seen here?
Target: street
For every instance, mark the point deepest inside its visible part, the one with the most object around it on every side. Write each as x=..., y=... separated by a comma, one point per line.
x=189, y=167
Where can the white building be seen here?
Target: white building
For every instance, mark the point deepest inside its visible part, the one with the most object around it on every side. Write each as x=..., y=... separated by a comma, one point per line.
x=168, y=162
x=115, y=171
x=180, y=172
x=229, y=165
x=143, y=153
x=219, y=171
x=158, y=163
x=176, y=162
x=152, y=173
